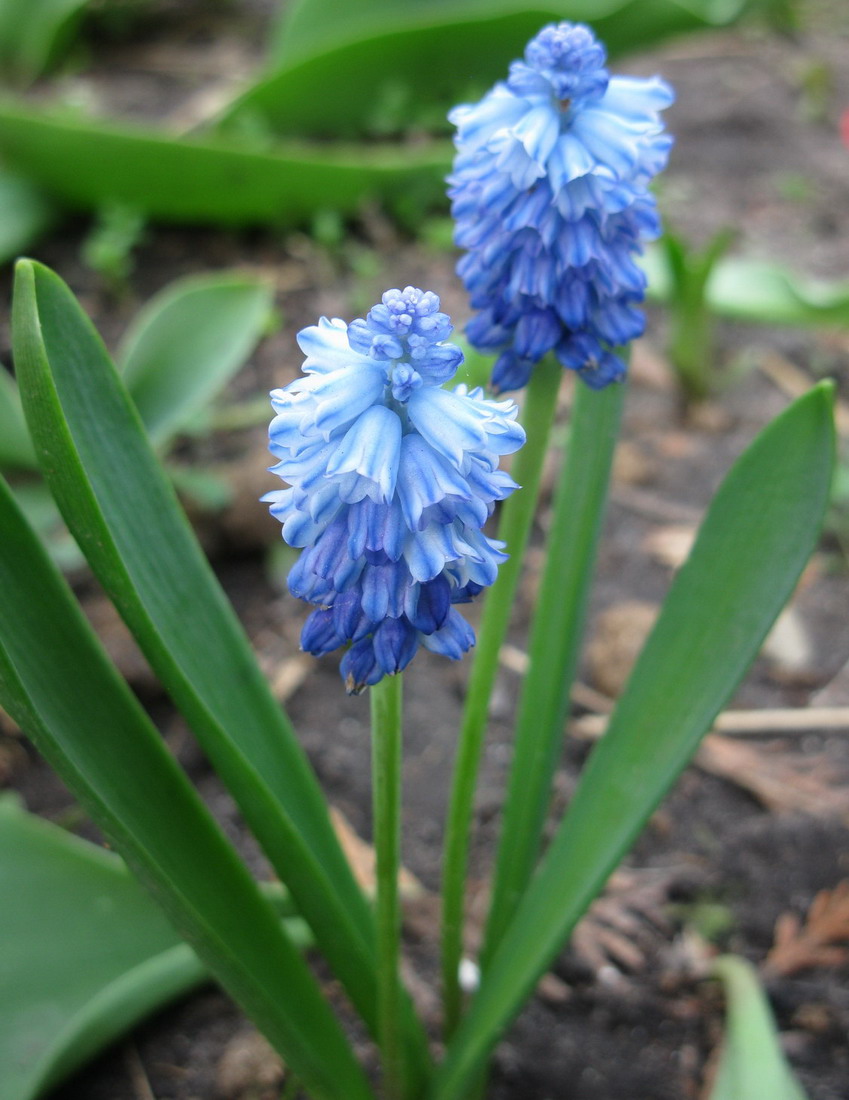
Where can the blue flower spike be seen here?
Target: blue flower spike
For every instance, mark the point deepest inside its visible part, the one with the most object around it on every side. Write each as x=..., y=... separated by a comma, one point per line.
x=550, y=198
x=391, y=478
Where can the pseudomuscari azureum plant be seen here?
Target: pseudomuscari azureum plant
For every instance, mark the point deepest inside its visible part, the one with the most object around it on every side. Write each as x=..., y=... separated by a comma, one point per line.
x=390, y=475
x=551, y=201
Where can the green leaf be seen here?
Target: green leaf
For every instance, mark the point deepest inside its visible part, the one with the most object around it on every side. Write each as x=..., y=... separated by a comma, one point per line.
x=39, y=507
x=377, y=66
x=58, y=685
x=196, y=180
x=75, y=975
x=752, y=1062
x=186, y=344
x=554, y=646
x=15, y=444
x=311, y=26
x=32, y=32
x=755, y=540
x=476, y=368
x=25, y=214
x=121, y=508
x=754, y=290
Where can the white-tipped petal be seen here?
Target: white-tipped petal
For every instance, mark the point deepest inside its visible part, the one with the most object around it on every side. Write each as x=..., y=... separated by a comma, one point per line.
x=447, y=422
x=425, y=478
x=371, y=448
x=326, y=347
x=346, y=394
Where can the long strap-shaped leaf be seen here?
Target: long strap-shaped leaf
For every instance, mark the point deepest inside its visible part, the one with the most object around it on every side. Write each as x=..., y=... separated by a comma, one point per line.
x=422, y=53
x=209, y=179
x=123, y=513
x=84, y=952
x=757, y=536
x=187, y=342
x=59, y=686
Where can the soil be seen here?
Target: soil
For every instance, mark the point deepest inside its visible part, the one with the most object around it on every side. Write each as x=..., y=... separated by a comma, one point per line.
x=624, y=1014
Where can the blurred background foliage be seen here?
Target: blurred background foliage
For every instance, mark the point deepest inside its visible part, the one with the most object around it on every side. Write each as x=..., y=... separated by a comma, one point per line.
x=347, y=103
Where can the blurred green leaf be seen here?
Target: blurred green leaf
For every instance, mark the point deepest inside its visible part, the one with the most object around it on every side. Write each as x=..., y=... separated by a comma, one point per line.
x=24, y=215
x=751, y=1063
x=109, y=244
x=206, y=490
x=375, y=66
x=39, y=507
x=754, y=290
x=187, y=342
x=201, y=180
x=58, y=685
x=476, y=368
x=76, y=975
x=308, y=27
x=121, y=509
x=751, y=290
x=754, y=542
x=32, y=32
x=16, y=449
x=690, y=342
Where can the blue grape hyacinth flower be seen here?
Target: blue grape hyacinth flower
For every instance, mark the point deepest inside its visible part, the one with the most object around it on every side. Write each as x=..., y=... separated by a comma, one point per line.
x=391, y=478
x=550, y=198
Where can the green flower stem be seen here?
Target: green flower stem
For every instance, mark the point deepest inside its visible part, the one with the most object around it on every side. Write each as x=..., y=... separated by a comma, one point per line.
x=386, y=727
x=516, y=517
x=554, y=647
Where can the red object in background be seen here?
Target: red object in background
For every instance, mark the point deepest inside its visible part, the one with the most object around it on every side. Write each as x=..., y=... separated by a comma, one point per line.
x=844, y=127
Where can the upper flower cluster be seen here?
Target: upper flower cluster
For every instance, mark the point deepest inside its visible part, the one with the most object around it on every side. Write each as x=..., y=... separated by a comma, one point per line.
x=391, y=480
x=550, y=198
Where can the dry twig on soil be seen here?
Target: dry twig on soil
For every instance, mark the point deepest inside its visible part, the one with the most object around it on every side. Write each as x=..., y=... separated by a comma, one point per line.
x=800, y=946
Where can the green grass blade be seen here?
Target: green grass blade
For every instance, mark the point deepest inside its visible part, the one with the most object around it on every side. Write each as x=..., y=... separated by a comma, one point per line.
x=752, y=1062
x=58, y=685
x=758, y=534
x=121, y=509
x=187, y=342
x=202, y=180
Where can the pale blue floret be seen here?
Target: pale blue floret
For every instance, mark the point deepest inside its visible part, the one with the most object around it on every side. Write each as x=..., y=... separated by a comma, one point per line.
x=550, y=199
x=391, y=479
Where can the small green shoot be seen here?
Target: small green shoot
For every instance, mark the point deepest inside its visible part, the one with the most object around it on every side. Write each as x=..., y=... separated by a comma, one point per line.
x=752, y=1064
x=691, y=344
x=108, y=248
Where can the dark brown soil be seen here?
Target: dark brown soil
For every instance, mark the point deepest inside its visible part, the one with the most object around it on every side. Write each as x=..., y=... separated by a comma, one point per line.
x=756, y=149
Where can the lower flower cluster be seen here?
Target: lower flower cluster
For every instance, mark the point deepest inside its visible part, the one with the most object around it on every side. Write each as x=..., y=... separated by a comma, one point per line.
x=391, y=478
